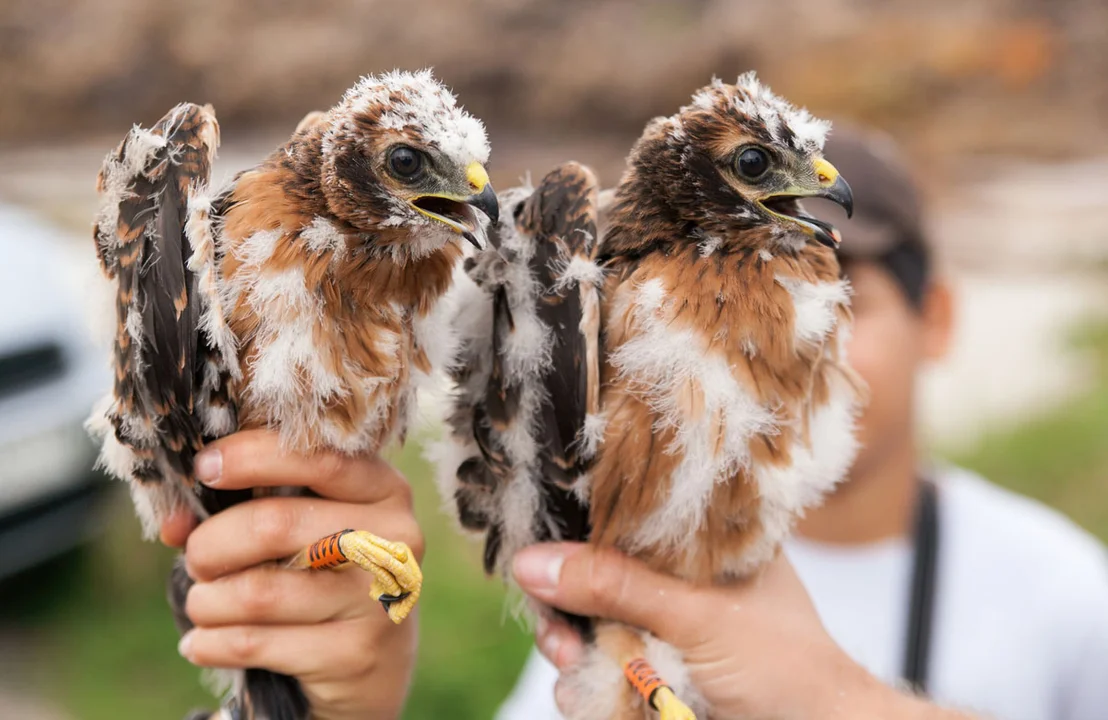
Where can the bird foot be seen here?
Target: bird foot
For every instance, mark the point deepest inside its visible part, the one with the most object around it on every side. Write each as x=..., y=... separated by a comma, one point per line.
x=670, y=707
x=397, y=579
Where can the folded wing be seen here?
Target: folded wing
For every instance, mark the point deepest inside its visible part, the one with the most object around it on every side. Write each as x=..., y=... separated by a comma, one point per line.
x=524, y=415
x=146, y=186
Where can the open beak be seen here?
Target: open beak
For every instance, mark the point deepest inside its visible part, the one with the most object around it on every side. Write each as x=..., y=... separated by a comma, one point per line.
x=457, y=211
x=830, y=185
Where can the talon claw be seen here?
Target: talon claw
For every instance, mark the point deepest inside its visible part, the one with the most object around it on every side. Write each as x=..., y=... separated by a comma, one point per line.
x=388, y=600
x=397, y=579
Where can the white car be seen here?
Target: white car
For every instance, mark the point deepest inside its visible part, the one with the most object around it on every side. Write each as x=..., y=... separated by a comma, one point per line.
x=51, y=374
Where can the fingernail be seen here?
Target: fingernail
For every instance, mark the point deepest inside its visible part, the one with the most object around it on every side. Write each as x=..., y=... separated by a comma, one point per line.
x=185, y=645
x=537, y=570
x=208, y=466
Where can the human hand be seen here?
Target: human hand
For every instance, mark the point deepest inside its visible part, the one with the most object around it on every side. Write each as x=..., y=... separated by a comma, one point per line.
x=321, y=627
x=753, y=649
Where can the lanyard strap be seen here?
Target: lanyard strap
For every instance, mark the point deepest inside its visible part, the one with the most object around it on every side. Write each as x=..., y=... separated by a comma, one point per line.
x=921, y=611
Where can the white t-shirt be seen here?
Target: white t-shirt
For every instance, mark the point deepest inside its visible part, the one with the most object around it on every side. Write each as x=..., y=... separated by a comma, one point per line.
x=1020, y=626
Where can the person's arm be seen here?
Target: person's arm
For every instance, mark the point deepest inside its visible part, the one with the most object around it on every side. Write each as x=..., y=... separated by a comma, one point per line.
x=321, y=627
x=753, y=649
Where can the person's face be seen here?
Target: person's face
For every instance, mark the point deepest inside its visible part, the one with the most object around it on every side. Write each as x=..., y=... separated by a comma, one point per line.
x=889, y=342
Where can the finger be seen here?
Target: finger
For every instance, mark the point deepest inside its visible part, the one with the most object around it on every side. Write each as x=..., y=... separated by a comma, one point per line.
x=559, y=643
x=176, y=528
x=565, y=698
x=270, y=595
x=602, y=582
x=255, y=458
x=266, y=529
x=300, y=650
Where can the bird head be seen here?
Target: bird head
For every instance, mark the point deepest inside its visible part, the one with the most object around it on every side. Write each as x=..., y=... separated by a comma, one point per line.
x=397, y=152
x=739, y=158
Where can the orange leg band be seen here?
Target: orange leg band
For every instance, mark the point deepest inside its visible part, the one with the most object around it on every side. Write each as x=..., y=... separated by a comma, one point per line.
x=644, y=678
x=325, y=553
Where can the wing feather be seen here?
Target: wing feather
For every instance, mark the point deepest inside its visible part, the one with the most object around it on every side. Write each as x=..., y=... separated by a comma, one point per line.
x=146, y=185
x=528, y=372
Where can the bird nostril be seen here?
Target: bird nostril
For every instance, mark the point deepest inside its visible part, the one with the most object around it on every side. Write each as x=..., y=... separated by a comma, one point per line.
x=823, y=179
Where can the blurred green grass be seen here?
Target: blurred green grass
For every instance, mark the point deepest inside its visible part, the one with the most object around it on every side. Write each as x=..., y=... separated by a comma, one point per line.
x=1059, y=457
x=105, y=643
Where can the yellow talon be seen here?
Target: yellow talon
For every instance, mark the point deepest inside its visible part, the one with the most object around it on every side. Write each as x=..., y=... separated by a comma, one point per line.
x=397, y=579
x=670, y=707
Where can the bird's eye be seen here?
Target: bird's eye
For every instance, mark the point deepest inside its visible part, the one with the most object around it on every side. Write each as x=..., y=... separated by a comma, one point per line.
x=405, y=162
x=752, y=163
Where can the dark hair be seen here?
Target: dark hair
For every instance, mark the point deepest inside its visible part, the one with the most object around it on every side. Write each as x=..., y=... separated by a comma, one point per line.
x=910, y=266
x=887, y=227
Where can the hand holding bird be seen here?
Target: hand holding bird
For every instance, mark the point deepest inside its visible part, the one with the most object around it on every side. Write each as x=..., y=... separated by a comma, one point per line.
x=670, y=381
x=302, y=297
x=351, y=659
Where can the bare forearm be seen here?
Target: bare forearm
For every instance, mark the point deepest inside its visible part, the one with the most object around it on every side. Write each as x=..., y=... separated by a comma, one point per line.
x=883, y=703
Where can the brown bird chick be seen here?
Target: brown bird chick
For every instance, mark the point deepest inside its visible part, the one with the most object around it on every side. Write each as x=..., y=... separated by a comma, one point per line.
x=676, y=388
x=304, y=296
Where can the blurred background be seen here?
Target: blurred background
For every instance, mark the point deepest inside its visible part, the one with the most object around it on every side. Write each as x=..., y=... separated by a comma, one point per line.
x=999, y=103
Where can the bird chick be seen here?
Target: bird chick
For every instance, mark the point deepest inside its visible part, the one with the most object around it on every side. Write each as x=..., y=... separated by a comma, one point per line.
x=672, y=383
x=303, y=296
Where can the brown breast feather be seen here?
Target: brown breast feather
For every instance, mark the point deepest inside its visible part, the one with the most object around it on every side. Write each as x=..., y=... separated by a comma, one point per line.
x=367, y=302
x=732, y=301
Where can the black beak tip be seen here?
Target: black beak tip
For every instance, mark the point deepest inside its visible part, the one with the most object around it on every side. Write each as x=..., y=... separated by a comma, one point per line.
x=472, y=239
x=844, y=195
x=486, y=202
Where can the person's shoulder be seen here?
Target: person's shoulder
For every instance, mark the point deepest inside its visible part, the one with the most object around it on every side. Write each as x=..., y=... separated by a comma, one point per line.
x=1010, y=537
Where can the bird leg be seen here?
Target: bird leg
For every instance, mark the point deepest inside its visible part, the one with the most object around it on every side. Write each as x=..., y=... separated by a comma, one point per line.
x=627, y=648
x=655, y=692
x=397, y=579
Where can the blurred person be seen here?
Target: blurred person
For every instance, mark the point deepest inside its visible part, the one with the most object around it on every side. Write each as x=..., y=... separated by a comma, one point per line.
x=922, y=574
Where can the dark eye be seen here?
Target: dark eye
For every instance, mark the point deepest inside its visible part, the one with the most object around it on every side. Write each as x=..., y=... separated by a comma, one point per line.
x=752, y=163
x=405, y=162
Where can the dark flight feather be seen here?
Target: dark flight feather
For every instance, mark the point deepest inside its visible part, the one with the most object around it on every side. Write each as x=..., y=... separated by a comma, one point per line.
x=151, y=177
x=541, y=265
x=560, y=217
x=158, y=349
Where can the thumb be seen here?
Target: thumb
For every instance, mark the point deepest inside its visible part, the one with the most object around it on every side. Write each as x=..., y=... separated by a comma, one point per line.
x=602, y=582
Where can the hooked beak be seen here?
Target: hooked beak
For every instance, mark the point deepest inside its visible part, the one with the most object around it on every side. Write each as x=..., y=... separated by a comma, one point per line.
x=829, y=185
x=833, y=186
x=486, y=202
x=456, y=211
